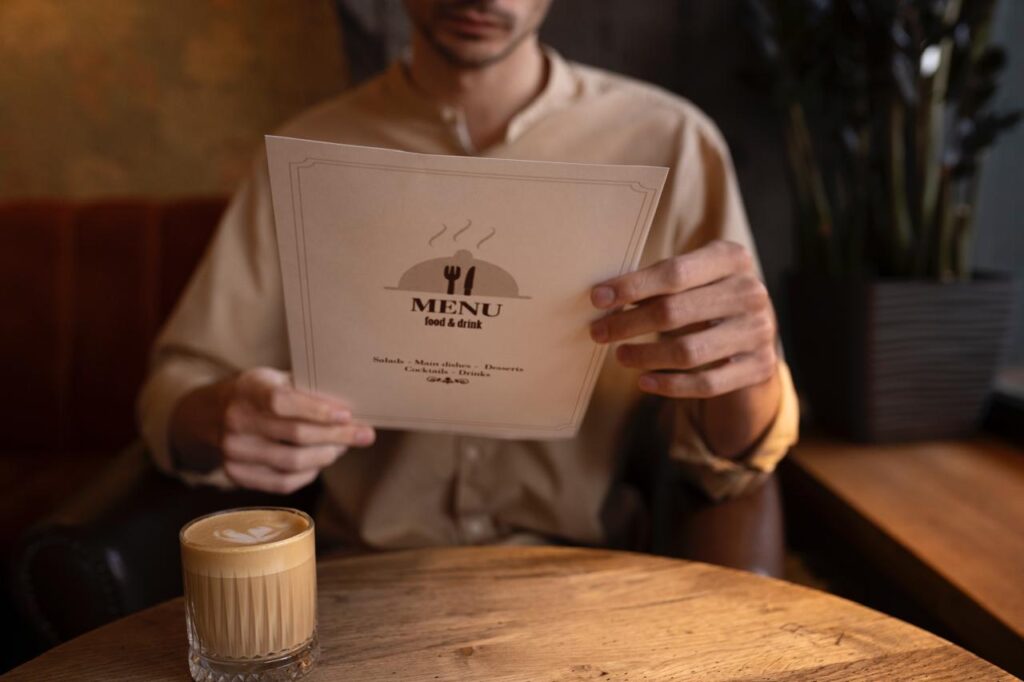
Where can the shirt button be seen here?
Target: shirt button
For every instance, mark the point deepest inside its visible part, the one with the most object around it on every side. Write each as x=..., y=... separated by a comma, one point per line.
x=475, y=528
x=472, y=453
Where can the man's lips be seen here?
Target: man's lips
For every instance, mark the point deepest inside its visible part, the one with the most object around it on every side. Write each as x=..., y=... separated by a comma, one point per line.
x=472, y=22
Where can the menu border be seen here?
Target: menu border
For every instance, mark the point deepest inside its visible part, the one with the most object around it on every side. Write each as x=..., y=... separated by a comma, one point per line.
x=308, y=369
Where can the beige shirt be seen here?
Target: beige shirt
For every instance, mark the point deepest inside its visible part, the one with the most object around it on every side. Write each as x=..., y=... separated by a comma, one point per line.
x=414, y=489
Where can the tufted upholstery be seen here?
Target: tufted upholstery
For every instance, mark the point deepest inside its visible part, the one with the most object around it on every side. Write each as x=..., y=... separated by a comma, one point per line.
x=84, y=288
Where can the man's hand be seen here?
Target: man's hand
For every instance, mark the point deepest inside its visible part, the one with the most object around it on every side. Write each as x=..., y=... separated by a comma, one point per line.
x=267, y=434
x=717, y=330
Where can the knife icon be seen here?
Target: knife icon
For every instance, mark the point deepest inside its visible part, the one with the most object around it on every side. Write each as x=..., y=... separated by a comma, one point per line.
x=469, y=281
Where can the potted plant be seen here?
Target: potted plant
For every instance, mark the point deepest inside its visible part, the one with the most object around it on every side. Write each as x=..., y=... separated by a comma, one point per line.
x=887, y=113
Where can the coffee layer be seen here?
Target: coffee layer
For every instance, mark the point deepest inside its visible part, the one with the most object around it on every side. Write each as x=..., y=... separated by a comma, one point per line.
x=253, y=617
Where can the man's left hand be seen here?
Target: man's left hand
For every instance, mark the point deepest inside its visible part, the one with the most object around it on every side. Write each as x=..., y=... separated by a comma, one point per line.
x=716, y=323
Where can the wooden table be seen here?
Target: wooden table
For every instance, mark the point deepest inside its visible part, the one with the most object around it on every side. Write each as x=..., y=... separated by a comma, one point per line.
x=943, y=520
x=502, y=613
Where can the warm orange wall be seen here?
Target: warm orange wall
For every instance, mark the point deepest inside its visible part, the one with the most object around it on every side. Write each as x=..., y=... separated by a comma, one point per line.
x=153, y=97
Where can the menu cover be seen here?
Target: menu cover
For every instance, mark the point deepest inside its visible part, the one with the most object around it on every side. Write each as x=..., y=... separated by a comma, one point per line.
x=450, y=293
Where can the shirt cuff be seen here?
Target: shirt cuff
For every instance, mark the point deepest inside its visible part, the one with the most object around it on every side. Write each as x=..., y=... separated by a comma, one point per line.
x=721, y=478
x=167, y=384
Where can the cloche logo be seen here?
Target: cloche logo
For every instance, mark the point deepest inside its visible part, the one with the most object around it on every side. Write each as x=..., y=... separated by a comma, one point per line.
x=458, y=282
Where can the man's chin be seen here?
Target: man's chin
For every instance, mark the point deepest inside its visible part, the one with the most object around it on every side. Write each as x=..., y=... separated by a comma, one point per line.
x=473, y=56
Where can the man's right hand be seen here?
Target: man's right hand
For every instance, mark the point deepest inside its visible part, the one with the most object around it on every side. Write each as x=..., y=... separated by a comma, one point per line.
x=267, y=434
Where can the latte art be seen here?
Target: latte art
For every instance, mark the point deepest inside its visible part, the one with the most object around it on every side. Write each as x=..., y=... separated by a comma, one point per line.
x=251, y=536
x=242, y=528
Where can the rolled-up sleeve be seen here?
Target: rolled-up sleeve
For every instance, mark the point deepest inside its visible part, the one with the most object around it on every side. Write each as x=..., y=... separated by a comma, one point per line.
x=230, y=317
x=174, y=375
x=722, y=478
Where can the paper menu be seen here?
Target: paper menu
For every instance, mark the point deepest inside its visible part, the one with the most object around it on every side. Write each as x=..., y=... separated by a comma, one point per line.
x=450, y=293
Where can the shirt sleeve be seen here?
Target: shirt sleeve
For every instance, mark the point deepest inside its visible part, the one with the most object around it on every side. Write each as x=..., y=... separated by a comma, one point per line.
x=231, y=316
x=708, y=204
x=722, y=478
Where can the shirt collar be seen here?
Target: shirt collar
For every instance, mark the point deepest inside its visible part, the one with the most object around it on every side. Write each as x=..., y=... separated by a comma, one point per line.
x=558, y=91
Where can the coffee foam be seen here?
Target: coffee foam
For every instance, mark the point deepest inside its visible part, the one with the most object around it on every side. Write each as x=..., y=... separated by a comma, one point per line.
x=247, y=542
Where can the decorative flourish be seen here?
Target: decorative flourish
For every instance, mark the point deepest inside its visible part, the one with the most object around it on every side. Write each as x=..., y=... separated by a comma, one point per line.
x=446, y=380
x=481, y=242
x=444, y=228
x=455, y=237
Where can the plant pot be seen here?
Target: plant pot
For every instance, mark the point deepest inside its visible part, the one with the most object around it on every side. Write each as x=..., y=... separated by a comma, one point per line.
x=897, y=360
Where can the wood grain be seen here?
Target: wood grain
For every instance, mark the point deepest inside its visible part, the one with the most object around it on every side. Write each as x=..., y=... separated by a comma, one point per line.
x=552, y=614
x=944, y=519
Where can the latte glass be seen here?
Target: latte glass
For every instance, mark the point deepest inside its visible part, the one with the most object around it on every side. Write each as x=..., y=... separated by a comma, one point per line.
x=250, y=594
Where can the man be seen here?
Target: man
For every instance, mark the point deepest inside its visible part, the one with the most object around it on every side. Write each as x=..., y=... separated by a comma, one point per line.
x=694, y=324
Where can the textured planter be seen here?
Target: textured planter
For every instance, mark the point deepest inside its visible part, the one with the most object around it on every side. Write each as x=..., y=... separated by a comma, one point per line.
x=892, y=360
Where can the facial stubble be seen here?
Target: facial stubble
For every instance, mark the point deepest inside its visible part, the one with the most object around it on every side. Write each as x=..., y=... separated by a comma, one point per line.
x=457, y=60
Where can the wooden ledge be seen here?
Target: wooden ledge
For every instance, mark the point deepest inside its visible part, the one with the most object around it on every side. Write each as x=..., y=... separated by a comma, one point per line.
x=945, y=520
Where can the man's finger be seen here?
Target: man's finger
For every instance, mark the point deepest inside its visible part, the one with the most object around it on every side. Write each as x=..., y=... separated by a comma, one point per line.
x=291, y=403
x=285, y=458
x=281, y=399
x=260, y=477
x=271, y=391
x=699, y=267
x=733, y=337
x=739, y=372
x=666, y=313
x=297, y=432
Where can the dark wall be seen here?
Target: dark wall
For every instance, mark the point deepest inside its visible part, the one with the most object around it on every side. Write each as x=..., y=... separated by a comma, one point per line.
x=1000, y=236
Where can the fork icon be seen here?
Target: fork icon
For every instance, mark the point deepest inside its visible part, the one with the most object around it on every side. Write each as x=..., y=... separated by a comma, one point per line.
x=452, y=273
